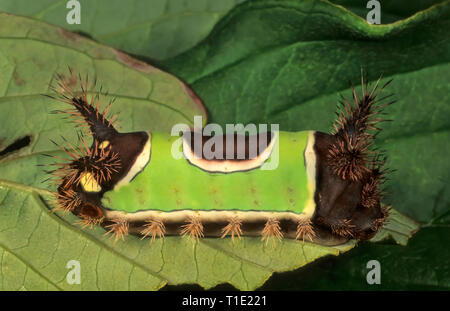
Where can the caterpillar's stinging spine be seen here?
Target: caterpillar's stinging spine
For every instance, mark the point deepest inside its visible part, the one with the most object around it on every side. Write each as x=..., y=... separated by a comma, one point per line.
x=153, y=228
x=271, y=230
x=193, y=228
x=305, y=230
x=233, y=228
x=118, y=229
x=89, y=221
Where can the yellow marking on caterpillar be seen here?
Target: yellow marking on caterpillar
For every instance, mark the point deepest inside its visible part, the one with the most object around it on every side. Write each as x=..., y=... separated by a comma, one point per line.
x=104, y=144
x=89, y=183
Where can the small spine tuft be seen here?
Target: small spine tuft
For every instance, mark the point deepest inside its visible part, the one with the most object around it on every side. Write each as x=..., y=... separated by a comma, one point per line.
x=87, y=221
x=343, y=228
x=380, y=222
x=98, y=162
x=233, y=228
x=271, y=230
x=118, y=229
x=193, y=228
x=305, y=229
x=67, y=200
x=371, y=193
x=153, y=228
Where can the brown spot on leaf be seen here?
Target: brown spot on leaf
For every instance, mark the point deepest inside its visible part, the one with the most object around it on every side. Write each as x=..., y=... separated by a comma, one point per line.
x=17, y=79
x=70, y=35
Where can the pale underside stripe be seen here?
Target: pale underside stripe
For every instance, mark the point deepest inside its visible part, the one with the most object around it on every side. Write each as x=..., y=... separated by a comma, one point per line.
x=204, y=216
x=310, y=159
x=141, y=161
x=228, y=166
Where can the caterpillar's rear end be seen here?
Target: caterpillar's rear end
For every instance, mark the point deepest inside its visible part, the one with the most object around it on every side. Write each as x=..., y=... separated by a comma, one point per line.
x=349, y=182
x=348, y=175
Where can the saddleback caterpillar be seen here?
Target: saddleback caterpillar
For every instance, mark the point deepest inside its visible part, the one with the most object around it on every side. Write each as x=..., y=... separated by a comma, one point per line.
x=326, y=188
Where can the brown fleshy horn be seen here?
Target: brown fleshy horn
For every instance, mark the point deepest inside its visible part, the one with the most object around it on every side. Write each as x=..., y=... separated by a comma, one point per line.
x=233, y=228
x=355, y=130
x=193, y=228
x=87, y=111
x=343, y=228
x=272, y=230
x=153, y=228
x=305, y=229
x=100, y=162
x=118, y=229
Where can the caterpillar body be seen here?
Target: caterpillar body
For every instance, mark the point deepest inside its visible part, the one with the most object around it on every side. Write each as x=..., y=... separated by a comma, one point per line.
x=325, y=188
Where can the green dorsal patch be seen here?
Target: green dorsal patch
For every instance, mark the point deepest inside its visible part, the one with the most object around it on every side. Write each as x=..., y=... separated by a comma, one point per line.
x=168, y=184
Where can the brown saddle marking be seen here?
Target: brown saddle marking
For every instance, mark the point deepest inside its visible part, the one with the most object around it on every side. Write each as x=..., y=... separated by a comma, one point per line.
x=229, y=153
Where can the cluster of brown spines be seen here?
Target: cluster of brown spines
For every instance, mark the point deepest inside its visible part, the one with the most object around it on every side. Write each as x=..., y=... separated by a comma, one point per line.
x=96, y=163
x=85, y=112
x=352, y=155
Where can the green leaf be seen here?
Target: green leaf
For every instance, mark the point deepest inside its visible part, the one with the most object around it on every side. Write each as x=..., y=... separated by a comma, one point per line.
x=390, y=11
x=421, y=265
x=286, y=62
x=399, y=227
x=156, y=29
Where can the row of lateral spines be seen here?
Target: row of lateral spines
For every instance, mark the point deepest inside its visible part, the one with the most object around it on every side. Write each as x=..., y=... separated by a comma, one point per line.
x=193, y=227
x=87, y=112
x=354, y=131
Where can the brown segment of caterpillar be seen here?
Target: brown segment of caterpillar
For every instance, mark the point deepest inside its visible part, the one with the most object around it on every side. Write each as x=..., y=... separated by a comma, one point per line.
x=233, y=228
x=154, y=228
x=305, y=229
x=354, y=132
x=193, y=228
x=271, y=231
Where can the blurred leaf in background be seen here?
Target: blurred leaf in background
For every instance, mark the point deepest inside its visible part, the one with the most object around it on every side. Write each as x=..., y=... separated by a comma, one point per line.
x=155, y=29
x=391, y=10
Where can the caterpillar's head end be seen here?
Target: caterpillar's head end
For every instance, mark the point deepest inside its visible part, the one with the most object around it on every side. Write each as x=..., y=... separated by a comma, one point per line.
x=103, y=156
